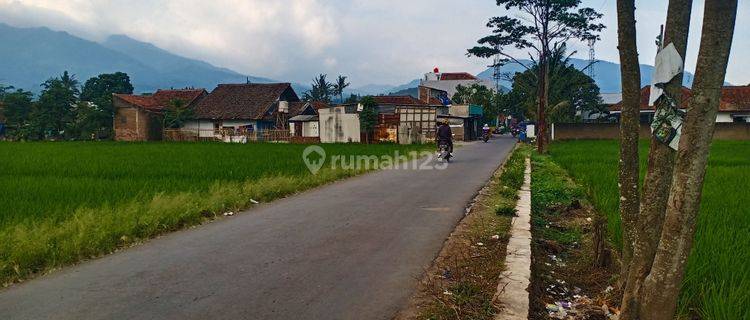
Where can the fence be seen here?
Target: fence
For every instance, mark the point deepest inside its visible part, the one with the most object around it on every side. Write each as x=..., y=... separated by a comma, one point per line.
x=601, y=131
x=228, y=135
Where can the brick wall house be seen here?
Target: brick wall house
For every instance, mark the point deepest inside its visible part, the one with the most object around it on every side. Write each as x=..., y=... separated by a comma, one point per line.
x=140, y=117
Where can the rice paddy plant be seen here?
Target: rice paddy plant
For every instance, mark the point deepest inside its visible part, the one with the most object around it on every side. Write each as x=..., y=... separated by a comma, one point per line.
x=63, y=202
x=717, y=281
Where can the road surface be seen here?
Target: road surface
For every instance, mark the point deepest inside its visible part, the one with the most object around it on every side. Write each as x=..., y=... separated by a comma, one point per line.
x=349, y=250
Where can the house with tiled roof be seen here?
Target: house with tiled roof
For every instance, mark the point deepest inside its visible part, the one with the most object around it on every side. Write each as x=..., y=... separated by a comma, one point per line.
x=734, y=105
x=450, y=81
x=140, y=117
x=243, y=108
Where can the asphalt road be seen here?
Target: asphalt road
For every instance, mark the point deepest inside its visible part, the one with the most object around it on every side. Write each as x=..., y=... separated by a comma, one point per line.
x=349, y=250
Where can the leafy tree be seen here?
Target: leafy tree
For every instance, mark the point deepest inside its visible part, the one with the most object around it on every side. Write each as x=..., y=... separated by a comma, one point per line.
x=542, y=27
x=86, y=121
x=99, y=91
x=368, y=118
x=480, y=95
x=353, y=98
x=17, y=107
x=339, y=86
x=569, y=90
x=54, y=110
x=176, y=114
x=321, y=91
x=5, y=90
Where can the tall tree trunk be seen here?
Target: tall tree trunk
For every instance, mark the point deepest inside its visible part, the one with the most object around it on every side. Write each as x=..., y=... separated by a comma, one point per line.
x=543, y=87
x=645, y=237
x=662, y=286
x=629, y=128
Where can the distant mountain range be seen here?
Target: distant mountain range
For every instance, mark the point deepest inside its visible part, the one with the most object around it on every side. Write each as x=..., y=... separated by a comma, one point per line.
x=29, y=56
x=606, y=74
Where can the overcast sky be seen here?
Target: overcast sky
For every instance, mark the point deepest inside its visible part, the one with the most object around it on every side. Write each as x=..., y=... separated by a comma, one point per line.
x=371, y=41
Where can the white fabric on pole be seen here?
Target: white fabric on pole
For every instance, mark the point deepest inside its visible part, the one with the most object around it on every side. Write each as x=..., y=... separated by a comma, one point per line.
x=668, y=65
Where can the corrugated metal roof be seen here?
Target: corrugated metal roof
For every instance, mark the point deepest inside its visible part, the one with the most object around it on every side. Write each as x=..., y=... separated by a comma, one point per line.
x=304, y=118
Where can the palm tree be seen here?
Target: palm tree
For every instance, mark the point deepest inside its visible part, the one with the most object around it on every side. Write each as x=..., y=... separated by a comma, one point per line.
x=339, y=86
x=321, y=90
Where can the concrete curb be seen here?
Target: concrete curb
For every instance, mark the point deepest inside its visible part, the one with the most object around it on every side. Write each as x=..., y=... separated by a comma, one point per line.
x=512, y=291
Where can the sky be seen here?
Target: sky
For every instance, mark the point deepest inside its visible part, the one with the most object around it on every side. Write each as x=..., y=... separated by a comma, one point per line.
x=370, y=41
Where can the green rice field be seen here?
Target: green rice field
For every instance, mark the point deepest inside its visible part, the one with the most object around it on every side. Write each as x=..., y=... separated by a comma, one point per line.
x=66, y=201
x=717, y=283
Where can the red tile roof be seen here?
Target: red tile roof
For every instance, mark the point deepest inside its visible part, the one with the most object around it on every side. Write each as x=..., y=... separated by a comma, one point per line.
x=398, y=100
x=319, y=105
x=242, y=101
x=161, y=99
x=733, y=99
x=457, y=76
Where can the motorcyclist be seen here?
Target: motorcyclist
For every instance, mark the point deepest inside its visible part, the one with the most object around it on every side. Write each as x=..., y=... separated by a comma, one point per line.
x=444, y=135
x=485, y=131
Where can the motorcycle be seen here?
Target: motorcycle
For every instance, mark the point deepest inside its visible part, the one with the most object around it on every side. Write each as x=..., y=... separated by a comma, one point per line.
x=444, y=152
x=486, y=136
x=514, y=131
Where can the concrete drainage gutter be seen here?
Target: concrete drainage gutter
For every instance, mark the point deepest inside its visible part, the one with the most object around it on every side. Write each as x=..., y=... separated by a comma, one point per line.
x=512, y=292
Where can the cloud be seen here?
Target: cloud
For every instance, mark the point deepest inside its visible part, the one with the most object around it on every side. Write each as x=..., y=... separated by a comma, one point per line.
x=371, y=41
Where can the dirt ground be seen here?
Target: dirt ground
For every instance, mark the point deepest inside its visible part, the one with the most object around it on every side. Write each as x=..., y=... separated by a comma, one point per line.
x=566, y=283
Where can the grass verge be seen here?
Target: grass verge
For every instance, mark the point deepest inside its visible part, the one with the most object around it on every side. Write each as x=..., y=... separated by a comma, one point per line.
x=462, y=281
x=56, y=236
x=565, y=279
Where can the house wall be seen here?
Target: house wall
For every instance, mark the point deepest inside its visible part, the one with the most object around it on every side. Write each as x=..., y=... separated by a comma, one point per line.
x=724, y=117
x=310, y=129
x=599, y=131
x=416, y=124
x=134, y=124
x=336, y=126
x=201, y=128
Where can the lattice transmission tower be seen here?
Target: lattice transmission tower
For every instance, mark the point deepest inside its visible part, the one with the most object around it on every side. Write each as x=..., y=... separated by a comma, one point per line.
x=592, y=58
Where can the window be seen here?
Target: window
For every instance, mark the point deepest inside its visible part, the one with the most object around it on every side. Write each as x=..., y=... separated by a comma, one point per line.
x=123, y=119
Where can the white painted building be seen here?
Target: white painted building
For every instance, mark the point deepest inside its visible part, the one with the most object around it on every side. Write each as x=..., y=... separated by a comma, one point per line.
x=338, y=124
x=448, y=82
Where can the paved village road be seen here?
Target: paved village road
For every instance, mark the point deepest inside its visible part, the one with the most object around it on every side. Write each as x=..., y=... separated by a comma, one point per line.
x=349, y=250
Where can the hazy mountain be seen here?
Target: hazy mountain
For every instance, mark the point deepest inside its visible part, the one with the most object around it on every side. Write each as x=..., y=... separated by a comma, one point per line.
x=607, y=74
x=29, y=56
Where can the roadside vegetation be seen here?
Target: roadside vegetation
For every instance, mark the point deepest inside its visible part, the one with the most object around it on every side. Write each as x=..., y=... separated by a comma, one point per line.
x=463, y=280
x=572, y=267
x=717, y=282
x=64, y=202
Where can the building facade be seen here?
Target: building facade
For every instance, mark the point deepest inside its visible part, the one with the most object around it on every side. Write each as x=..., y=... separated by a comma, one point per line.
x=140, y=117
